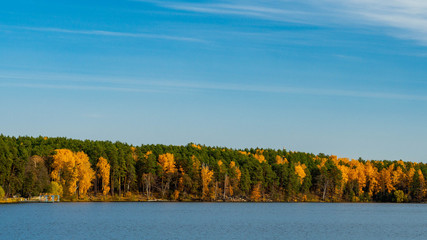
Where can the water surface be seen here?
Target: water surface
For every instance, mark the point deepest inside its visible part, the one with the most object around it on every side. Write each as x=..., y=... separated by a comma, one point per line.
x=213, y=221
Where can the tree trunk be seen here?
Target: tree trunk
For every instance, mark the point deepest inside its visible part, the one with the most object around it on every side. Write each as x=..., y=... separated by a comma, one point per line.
x=225, y=186
x=148, y=186
x=324, y=190
x=112, y=184
x=163, y=188
x=96, y=184
x=120, y=187
x=216, y=189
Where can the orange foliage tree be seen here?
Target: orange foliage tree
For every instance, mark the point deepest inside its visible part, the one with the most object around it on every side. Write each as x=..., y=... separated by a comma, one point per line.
x=235, y=175
x=386, y=181
x=206, y=180
x=281, y=160
x=167, y=163
x=256, y=193
x=73, y=171
x=85, y=173
x=300, y=171
x=259, y=155
x=104, y=173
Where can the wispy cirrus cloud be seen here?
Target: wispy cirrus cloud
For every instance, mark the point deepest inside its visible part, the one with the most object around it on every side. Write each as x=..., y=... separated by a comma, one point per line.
x=254, y=9
x=135, y=85
x=109, y=33
x=75, y=87
x=405, y=19
x=243, y=10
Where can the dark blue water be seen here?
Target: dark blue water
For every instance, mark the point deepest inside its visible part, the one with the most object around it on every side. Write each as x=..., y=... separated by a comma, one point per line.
x=213, y=221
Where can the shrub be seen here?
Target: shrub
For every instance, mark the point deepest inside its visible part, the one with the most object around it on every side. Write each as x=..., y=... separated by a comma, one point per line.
x=1, y=192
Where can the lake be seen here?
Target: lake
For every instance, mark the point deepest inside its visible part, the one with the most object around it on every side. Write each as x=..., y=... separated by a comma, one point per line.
x=141, y=220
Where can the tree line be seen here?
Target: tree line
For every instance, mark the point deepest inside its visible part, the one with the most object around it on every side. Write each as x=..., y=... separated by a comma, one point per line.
x=77, y=169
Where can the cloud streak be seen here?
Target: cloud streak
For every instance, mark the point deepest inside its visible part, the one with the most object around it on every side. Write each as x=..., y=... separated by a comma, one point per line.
x=111, y=34
x=248, y=9
x=405, y=19
x=150, y=86
x=77, y=87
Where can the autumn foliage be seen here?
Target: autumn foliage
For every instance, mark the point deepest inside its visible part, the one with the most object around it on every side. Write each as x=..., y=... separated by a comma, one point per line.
x=86, y=169
x=206, y=180
x=300, y=171
x=256, y=193
x=104, y=174
x=73, y=171
x=167, y=162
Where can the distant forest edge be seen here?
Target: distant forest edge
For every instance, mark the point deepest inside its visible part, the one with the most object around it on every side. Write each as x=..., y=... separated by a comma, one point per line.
x=113, y=171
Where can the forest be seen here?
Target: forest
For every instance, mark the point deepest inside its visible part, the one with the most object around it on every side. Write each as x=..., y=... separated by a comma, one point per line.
x=114, y=171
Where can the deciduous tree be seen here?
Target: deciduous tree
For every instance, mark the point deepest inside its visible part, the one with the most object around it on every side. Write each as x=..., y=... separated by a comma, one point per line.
x=104, y=173
x=73, y=171
x=206, y=180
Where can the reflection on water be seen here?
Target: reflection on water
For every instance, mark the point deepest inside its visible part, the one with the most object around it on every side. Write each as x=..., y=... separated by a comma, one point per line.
x=213, y=221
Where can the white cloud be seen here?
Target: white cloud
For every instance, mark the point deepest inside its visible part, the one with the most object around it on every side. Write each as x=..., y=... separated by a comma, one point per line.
x=406, y=19
x=110, y=33
x=247, y=9
x=134, y=85
x=75, y=87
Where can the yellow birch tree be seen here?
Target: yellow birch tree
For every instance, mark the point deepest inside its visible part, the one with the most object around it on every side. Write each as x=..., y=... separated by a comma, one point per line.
x=206, y=179
x=73, y=171
x=104, y=173
x=85, y=173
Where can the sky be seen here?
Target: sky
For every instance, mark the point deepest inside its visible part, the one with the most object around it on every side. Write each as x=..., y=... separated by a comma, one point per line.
x=347, y=78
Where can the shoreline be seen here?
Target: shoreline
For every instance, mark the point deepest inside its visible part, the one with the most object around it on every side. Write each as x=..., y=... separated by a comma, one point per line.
x=191, y=201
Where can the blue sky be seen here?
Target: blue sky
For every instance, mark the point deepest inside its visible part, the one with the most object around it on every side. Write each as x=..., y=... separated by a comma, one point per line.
x=339, y=77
